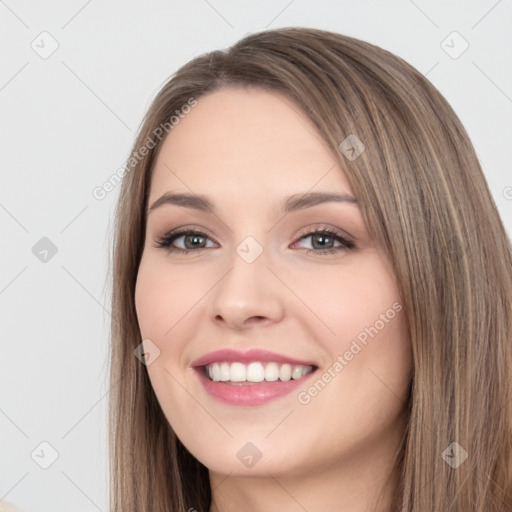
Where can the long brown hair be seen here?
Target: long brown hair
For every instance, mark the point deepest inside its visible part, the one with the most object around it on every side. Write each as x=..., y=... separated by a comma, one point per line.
x=425, y=201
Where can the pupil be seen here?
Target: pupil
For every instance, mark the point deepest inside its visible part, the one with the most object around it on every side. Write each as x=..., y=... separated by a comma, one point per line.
x=194, y=239
x=323, y=243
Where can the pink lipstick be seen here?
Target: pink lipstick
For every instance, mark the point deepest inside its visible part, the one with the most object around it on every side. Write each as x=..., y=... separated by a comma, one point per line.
x=252, y=377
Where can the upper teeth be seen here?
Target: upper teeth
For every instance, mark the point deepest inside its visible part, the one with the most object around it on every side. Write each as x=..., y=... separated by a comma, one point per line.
x=256, y=372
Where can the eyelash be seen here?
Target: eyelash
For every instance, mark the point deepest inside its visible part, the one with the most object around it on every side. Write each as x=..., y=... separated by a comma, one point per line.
x=167, y=239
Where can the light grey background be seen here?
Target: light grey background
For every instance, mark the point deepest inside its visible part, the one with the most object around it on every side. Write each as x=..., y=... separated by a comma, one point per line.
x=67, y=124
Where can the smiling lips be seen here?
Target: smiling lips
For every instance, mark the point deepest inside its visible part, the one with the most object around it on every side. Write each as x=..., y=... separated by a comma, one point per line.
x=250, y=378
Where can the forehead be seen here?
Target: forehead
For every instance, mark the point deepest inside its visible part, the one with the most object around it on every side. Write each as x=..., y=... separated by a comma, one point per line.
x=239, y=142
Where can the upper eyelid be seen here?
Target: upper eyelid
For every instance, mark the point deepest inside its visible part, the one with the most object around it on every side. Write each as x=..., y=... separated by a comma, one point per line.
x=324, y=227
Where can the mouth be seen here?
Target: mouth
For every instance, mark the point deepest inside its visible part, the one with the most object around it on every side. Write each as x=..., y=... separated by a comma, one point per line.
x=250, y=378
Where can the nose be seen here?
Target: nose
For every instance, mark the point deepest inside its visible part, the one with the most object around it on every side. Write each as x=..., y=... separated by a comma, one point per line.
x=248, y=295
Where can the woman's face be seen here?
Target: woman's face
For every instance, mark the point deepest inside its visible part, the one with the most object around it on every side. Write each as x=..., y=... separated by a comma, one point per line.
x=264, y=292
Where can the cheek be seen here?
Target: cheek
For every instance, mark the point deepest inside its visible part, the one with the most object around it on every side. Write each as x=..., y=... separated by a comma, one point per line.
x=350, y=302
x=363, y=327
x=163, y=302
x=150, y=307
x=162, y=298
x=375, y=364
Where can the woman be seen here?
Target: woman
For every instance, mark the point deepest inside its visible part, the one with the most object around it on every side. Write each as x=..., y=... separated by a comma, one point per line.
x=312, y=299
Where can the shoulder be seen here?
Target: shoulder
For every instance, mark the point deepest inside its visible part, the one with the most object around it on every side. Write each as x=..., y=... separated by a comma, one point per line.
x=8, y=507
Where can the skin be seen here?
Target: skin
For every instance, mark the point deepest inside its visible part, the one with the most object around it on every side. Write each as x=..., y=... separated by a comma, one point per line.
x=247, y=149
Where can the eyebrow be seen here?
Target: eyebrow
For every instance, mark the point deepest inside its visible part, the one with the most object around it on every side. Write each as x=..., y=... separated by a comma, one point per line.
x=289, y=204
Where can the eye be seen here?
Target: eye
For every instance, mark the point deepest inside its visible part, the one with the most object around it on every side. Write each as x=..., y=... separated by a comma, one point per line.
x=191, y=238
x=323, y=241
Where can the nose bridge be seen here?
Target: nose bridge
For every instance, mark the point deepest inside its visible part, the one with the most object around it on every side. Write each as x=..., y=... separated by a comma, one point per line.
x=247, y=290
